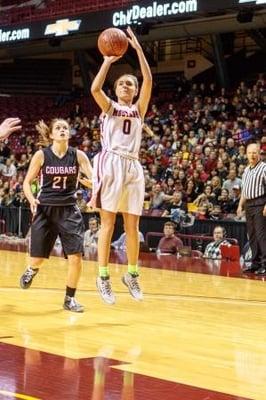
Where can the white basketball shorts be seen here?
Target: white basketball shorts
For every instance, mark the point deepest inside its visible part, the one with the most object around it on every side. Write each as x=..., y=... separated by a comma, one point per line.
x=118, y=183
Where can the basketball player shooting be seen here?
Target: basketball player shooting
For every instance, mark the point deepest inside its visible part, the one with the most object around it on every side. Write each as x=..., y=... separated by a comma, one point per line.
x=118, y=180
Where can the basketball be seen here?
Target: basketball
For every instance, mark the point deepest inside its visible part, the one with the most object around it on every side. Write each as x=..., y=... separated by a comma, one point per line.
x=112, y=42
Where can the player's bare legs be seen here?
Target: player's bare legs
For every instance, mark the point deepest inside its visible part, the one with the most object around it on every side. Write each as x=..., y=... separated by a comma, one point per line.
x=131, y=225
x=104, y=243
x=105, y=237
x=74, y=270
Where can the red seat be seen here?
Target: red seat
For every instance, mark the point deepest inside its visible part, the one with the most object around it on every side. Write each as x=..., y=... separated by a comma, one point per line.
x=230, y=252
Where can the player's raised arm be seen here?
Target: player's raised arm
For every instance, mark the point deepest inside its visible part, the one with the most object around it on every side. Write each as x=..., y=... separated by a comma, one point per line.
x=32, y=173
x=145, y=91
x=97, y=92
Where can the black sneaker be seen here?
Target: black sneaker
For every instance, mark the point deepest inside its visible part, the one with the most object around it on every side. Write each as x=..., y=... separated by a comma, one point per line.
x=71, y=304
x=27, y=278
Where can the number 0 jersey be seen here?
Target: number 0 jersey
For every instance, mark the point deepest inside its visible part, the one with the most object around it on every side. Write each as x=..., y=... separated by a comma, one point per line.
x=121, y=129
x=58, y=179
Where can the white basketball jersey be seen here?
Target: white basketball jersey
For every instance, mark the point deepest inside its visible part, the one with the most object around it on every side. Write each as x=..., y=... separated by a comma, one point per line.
x=121, y=129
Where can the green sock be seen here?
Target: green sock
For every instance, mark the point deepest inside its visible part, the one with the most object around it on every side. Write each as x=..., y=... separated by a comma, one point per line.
x=133, y=269
x=103, y=272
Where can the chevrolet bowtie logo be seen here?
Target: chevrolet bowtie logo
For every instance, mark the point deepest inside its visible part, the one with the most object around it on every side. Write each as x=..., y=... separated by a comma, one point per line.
x=253, y=1
x=62, y=27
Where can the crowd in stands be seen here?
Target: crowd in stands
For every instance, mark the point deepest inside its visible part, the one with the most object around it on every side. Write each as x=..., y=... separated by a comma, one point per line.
x=192, y=152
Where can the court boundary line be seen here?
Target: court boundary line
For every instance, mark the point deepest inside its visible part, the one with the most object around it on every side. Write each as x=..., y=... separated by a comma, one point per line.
x=150, y=295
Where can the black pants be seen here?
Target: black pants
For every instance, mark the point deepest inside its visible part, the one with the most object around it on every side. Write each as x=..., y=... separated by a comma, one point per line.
x=256, y=229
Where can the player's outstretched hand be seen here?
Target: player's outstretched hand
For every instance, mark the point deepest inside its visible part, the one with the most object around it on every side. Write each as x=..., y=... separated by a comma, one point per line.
x=33, y=205
x=9, y=126
x=133, y=39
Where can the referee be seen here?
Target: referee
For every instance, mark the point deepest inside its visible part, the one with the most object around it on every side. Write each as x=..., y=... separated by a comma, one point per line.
x=253, y=199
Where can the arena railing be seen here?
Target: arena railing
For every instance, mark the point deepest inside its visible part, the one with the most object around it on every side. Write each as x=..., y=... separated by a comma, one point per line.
x=195, y=241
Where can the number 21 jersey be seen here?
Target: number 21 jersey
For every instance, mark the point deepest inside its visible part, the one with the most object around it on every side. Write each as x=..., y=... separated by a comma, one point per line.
x=58, y=178
x=121, y=129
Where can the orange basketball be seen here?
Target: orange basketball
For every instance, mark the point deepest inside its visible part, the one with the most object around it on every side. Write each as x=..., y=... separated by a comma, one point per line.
x=112, y=42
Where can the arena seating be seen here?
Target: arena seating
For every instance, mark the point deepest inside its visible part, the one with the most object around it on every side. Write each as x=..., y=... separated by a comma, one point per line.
x=50, y=9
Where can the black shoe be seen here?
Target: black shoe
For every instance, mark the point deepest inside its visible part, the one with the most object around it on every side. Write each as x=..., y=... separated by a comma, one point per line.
x=261, y=271
x=27, y=278
x=71, y=304
x=251, y=268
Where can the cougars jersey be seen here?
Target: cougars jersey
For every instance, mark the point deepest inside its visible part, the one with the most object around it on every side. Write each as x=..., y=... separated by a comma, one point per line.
x=58, y=178
x=121, y=129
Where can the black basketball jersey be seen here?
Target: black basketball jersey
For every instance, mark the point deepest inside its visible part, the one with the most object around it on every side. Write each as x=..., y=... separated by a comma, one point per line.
x=58, y=179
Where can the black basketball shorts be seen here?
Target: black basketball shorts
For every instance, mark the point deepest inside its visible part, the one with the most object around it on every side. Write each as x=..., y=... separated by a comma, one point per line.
x=51, y=221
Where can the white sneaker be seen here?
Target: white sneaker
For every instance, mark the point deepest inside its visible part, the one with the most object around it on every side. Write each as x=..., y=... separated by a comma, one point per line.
x=133, y=286
x=105, y=289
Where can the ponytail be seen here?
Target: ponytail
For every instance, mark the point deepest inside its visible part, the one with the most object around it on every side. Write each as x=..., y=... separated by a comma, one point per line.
x=44, y=134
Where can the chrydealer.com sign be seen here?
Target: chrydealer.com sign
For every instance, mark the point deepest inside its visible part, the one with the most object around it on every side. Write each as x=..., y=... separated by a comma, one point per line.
x=14, y=35
x=136, y=13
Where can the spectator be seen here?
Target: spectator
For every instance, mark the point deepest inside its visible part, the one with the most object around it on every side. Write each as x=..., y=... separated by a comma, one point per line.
x=81, y=203
x=234, y=201
x=216, y=213
x=120, y=243
x=231, y=181
x=9, y=169
x=175, y=203
x=224, y=201
x=190, y=194
x=23, y=164
x=157, y=197
x=213, y=249
x=91, y=234
x=216, y=187
x=169, y=243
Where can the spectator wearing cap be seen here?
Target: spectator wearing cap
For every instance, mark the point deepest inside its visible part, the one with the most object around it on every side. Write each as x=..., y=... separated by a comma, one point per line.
x=231, y=181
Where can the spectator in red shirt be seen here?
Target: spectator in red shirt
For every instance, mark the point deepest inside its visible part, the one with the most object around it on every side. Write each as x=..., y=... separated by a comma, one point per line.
x=169, y=243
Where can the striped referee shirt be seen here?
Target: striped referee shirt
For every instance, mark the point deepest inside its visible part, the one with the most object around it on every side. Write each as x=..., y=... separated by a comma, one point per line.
x=254, y=181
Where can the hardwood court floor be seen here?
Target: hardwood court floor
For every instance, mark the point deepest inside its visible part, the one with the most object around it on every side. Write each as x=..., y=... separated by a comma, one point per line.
x=196, y=336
